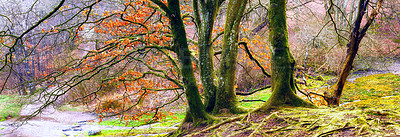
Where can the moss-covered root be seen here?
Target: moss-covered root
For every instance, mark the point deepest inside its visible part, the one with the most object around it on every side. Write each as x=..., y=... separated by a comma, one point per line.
x=190, y=124
x=277, y=101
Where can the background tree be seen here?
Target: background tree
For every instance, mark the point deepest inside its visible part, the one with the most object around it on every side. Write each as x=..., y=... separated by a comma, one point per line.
x=355, y=38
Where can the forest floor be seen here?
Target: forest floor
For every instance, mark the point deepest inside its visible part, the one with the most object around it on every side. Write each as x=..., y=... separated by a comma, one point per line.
x=369, y=108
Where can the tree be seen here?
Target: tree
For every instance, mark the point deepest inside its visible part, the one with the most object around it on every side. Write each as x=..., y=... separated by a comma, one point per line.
x=196, y=111
x=205, y=23
x=355, y=39
x=282, y=61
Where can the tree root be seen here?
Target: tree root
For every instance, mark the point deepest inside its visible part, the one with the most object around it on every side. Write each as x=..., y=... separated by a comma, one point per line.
x=333, y=131
x=217, y=125
x=259, y=126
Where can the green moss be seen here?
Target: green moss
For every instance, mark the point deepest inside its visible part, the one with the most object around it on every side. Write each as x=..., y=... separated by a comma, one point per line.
x=372, y=86
x=390, y=103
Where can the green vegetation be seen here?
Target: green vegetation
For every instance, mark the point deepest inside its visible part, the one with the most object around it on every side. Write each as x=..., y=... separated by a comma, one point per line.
x=260, y=95
x=10, y=105
x=387, y=103
x=133, y=132
x=371, y=87
x=167, y=122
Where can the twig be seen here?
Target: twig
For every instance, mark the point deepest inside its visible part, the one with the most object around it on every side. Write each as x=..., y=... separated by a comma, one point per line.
x=332, y=131
x=276, y=129
x=252, y=92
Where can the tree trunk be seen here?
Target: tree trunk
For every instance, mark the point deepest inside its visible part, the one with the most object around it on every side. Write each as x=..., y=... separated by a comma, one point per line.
x=226, y=97
x=355, y=39
x=195, y=112
x=206, y=52
x=282, y=61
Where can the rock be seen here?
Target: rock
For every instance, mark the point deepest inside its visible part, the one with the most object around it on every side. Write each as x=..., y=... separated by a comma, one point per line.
x=94, y=132
x=66, y=129
x=77, y=129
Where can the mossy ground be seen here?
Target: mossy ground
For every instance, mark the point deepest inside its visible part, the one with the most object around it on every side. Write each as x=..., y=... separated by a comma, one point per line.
x=340, y=121
x=10, y=105
x=371, y=87
x=375, y=113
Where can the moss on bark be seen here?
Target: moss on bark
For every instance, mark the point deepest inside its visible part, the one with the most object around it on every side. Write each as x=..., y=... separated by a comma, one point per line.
x=282, y=61
x=226, y=96
x=208, y=77
x=196, y=112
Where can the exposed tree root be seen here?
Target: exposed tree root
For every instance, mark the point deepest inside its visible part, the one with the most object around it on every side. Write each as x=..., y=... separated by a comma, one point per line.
x=217, y=125
x=259, y=126
x=333, y=131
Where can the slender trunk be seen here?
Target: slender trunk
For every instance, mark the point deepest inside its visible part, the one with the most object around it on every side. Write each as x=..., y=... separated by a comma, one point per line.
x=355, y=38
x=226, y=97
x=206, y=52
x=282, y=61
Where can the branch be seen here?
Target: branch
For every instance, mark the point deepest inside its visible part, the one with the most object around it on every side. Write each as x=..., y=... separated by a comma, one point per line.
x=371, y=18
x=162, y=6
x=252, y=92
x=252, y=58
x=251, y=100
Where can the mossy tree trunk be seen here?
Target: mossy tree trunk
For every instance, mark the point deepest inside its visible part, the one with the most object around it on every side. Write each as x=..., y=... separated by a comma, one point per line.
x=282, y=61
x=208, y=76
x=355, y=39
x=226, y=96
x=195, y=112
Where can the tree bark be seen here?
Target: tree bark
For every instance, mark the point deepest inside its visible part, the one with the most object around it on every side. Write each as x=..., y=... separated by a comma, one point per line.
x=226, y=97
x=208, y=77
x=282, y=61
x=196, y=111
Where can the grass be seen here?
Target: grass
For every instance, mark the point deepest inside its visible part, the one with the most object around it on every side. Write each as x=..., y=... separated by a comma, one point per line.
x=261, y=95
x=10, y=105
x=133, y=132
x=167, y=122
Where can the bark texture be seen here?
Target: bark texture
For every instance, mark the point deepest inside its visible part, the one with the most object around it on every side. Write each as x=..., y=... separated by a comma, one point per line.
x=282, y=61
x=208, y=77
x=226, y=97
x=196, y=111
